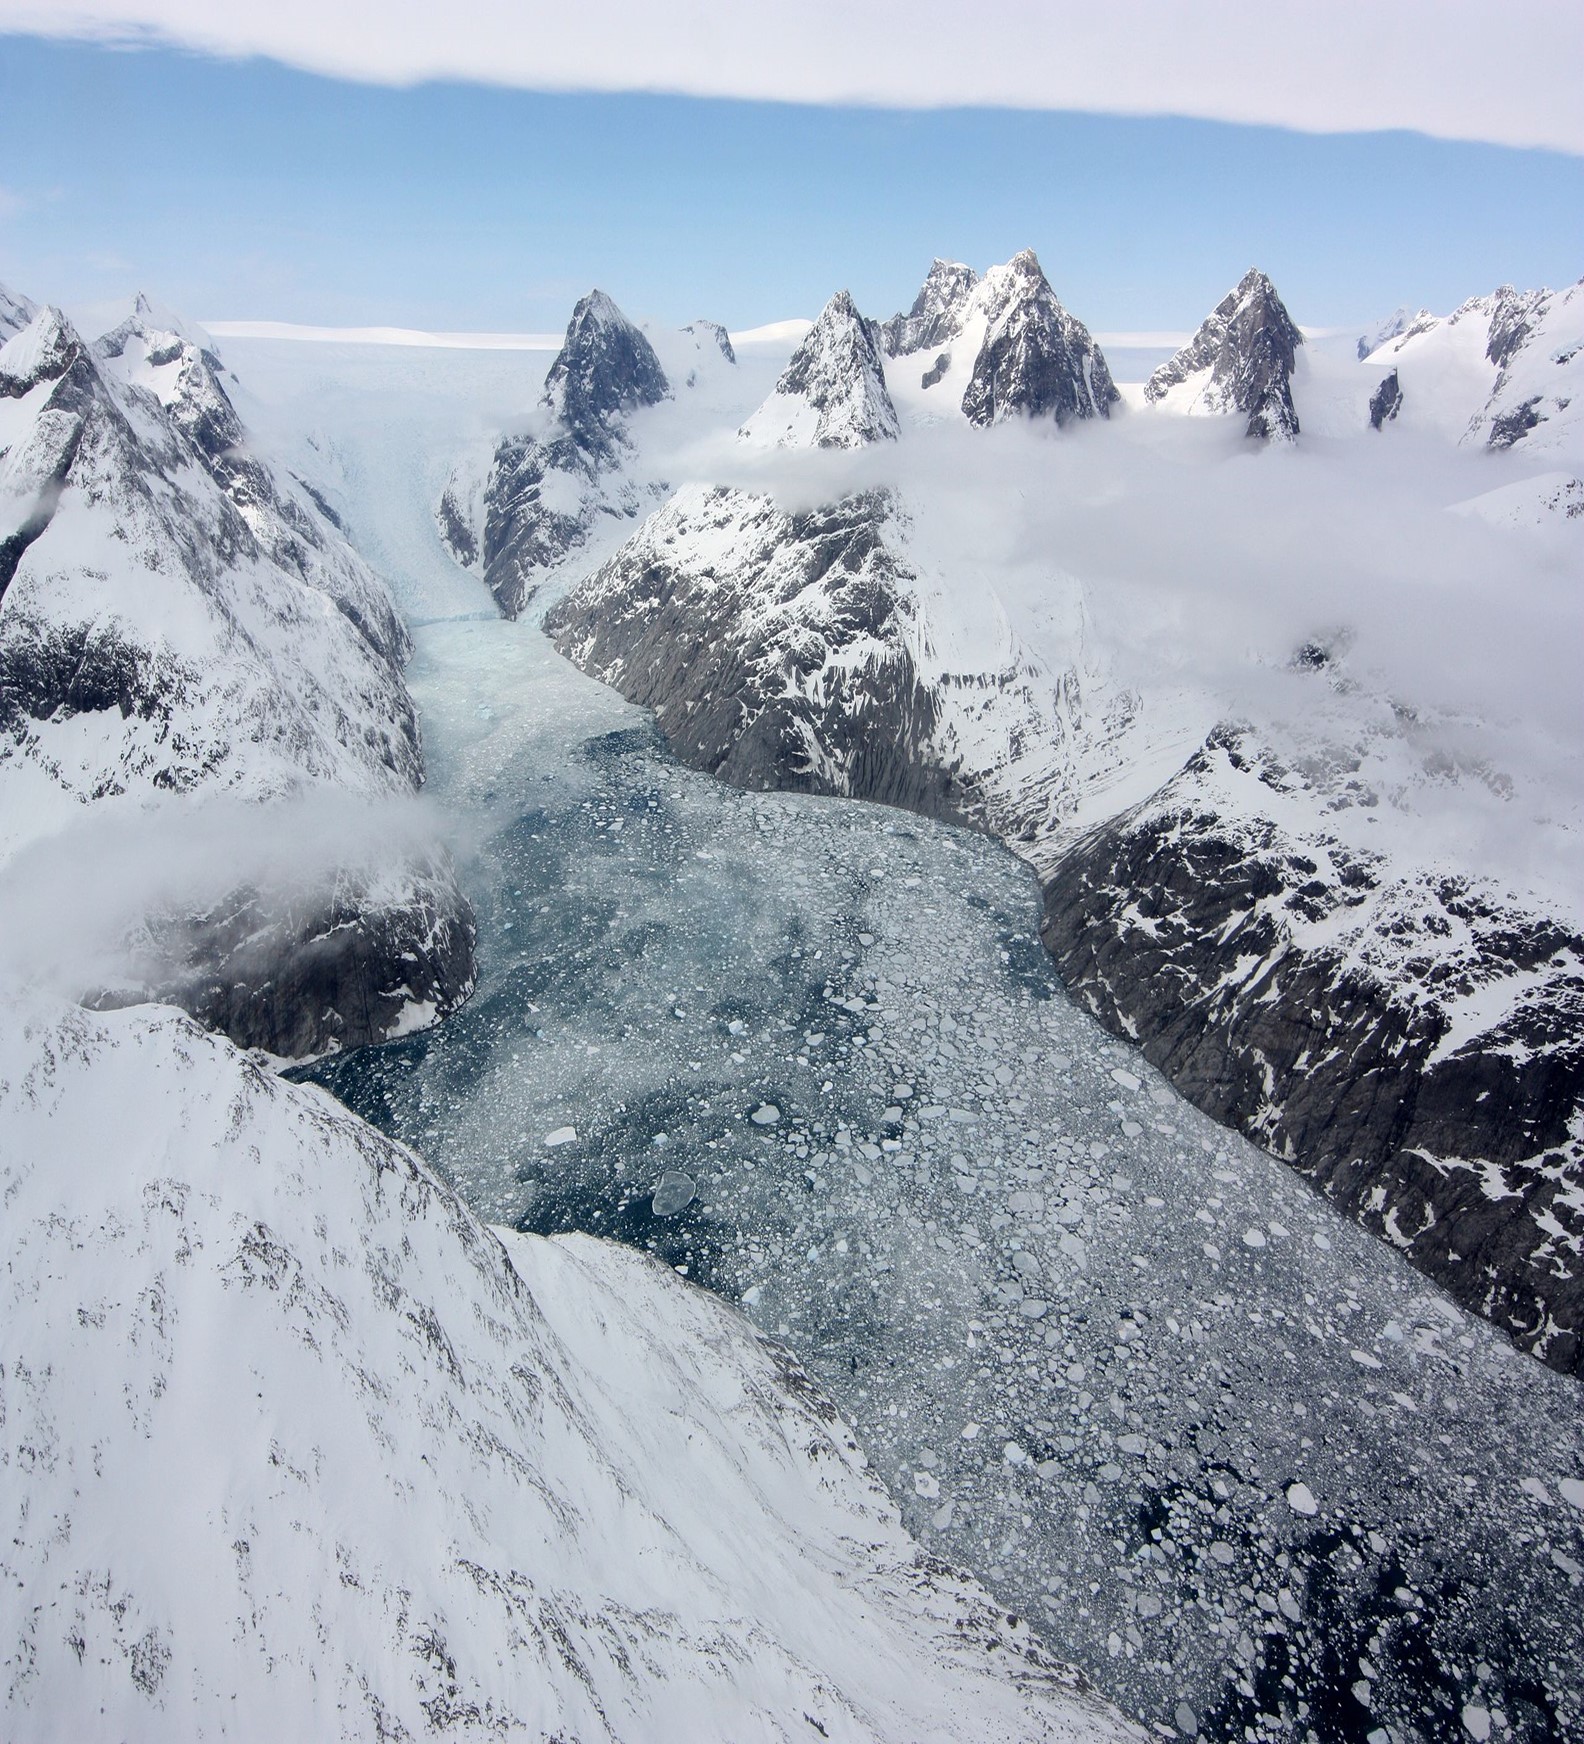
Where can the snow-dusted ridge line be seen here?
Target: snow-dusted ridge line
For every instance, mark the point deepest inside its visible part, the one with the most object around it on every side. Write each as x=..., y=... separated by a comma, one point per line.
x=295, y=1447
x=181, y=622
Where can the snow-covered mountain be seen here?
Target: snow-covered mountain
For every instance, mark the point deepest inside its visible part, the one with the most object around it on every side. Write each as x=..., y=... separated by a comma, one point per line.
x=179, y=622
x=296, y=1448
x=545, y=488
x=1240, y=361
x=1500, y=370
x=1021, y=352
x=833, y=392
x=1396, y=1016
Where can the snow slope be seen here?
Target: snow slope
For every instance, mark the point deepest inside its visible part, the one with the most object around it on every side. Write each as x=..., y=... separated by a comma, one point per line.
x=1500, y=370
x=295, y=1447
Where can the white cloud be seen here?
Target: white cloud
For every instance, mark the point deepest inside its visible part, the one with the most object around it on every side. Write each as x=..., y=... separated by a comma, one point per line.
x=1508, y=72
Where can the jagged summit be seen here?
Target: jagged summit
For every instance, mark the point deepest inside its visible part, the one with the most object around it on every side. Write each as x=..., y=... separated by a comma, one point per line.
x=1036, y=359
x=604, y=368
x=543, y=493
x=937, y=312
x=1240, y=361
x=833, y=393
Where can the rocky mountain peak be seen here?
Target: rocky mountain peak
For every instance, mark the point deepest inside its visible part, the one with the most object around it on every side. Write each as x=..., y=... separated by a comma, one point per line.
x=1245, y=351
x=937, y=311
x=1396, y=324
x=1036, y=359
x=604, y=368
x=1514, y=315
x=833, y=393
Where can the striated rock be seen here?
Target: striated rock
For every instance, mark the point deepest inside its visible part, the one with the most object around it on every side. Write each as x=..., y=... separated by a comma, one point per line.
x=937, y=313
x=779, y=659
x=833, y=393
x=1036, y=360
x=545, y=491
x=1241, y=362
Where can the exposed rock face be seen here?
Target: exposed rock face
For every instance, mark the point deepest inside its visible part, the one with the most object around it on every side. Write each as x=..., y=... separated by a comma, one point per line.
x=296, y=1448
x=781, y=660
x=1416, y=1045
x=604, y=369
x=937, y=312
x=1386, y=401
x=1036, y=359
x=370, y=958
x=1240, y=361
x=833, y=393
x=175, y=619
x=545, y=490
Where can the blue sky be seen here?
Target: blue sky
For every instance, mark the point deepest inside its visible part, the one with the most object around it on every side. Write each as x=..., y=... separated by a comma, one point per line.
x=238, y=189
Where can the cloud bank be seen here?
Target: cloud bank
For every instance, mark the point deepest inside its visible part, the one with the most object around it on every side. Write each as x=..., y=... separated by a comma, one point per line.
x=1508, y=74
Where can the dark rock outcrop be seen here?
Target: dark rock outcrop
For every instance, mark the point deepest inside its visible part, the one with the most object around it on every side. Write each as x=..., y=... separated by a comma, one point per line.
x=1181, y=926
x=1511, y=426
x=319, y=974
x=1036, y=360
x=1246, y=351
x=1386, y=401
